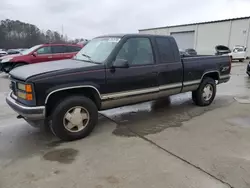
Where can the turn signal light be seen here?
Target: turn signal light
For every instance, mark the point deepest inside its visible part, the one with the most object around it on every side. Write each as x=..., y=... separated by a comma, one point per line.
x=28, y=88
x=29, y=97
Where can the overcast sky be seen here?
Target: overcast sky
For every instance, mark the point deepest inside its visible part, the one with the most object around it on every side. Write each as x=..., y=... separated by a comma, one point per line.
x=89, y=18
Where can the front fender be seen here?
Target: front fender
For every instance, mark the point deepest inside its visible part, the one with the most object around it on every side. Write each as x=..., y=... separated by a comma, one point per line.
x=53, y=90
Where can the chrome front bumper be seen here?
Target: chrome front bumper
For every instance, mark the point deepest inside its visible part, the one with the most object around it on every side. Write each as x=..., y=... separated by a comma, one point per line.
x=29, y=113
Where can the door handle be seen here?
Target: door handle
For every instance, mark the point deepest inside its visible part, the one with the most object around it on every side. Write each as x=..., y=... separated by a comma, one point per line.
x=50, y=57
x=68, y=56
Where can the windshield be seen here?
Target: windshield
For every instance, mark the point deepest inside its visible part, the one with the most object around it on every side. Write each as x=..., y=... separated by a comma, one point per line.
x=98, y=49
x=26, y=52
x=238, y=49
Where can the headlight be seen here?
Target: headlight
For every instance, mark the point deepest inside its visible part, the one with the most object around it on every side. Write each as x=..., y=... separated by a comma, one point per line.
x=25, y=96
x=24, y=91
x=5, y=60
x=24, y=87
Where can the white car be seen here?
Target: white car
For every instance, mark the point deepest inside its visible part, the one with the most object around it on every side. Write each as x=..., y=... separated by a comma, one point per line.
x=238, y=53
x=3, y=53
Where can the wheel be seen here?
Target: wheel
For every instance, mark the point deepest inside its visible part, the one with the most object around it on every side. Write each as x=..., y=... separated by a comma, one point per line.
x=74, y=118
x=206, y=92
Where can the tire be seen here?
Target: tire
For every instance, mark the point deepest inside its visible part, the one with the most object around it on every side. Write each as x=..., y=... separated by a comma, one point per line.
x=198, y=94
x=194, y=98
x=60, y=124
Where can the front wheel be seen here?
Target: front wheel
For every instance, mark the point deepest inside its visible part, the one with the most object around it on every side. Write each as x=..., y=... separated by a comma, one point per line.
x=206, y=92
x=74, y=118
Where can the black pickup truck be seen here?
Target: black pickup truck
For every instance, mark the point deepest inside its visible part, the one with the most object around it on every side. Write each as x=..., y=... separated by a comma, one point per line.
x=110, y=71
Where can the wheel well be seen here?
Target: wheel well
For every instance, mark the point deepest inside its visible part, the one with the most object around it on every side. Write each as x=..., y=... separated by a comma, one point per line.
x=214, y=75
x=57, y=97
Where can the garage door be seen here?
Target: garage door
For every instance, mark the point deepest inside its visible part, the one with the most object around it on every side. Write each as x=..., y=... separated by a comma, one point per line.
x=184, y=39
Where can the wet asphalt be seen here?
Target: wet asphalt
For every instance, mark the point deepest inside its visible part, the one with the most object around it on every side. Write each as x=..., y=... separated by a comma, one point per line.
x=20, y=141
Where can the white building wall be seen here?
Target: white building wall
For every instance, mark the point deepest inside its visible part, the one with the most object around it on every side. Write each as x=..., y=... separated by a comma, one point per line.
x=239, y=32
x=210, y=35
x=207, y=36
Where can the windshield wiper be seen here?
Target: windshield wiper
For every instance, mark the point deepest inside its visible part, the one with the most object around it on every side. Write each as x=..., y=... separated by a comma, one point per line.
x=89, y=58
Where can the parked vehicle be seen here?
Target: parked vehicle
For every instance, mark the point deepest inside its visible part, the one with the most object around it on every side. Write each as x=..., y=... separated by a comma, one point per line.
x=222, y=50
x=3, y=53
x=239, y=53
x=37, y=54
x=183, y=53
x=111, y=71
x=191, y=52
x=13, y=51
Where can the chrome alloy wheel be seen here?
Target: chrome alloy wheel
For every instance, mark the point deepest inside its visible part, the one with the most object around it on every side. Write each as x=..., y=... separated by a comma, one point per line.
x=76, y=119
x=207, y=92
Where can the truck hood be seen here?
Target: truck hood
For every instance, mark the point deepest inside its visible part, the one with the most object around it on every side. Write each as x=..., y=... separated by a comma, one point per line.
x=27, y=71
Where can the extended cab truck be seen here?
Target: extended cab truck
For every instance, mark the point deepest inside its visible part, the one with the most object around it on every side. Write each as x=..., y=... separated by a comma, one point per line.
x=37, y=54
x=109, y=72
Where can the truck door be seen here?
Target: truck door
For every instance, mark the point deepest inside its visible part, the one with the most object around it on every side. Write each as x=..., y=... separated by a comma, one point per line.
x=138, y=82
x=169, y=66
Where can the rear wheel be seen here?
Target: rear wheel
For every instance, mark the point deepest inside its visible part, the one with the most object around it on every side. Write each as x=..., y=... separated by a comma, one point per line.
x=206, y=92
x=74, y=118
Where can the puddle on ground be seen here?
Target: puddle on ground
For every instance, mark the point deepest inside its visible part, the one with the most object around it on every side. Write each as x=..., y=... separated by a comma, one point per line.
x=239, y=121
x=154, y=117
x=243, y=99
x=65, y=156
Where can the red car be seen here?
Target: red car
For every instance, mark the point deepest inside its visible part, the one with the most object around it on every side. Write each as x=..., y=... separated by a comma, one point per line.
x=38, y=54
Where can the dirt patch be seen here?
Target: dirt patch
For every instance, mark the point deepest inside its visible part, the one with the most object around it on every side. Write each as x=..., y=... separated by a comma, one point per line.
x=65, y=156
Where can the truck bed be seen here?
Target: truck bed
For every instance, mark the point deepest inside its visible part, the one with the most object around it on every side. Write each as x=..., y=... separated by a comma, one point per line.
x=194, y=66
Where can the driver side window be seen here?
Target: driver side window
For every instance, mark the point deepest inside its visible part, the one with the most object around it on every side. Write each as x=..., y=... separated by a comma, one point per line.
x=44, y=50
x=137, y=51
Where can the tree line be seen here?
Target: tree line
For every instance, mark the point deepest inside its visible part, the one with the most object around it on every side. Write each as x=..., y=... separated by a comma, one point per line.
x=17, y=34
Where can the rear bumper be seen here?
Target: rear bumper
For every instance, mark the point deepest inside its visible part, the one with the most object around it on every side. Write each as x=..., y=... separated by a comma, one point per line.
x=29, y=113
x=224, y=79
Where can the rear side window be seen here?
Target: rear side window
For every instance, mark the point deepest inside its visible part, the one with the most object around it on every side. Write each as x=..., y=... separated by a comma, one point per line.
x=165, y=50
x=73, y=49
x=58, y=49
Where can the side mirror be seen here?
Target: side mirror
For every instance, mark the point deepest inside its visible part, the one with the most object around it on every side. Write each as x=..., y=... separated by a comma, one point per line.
x=120, y=63
x=34, y=54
